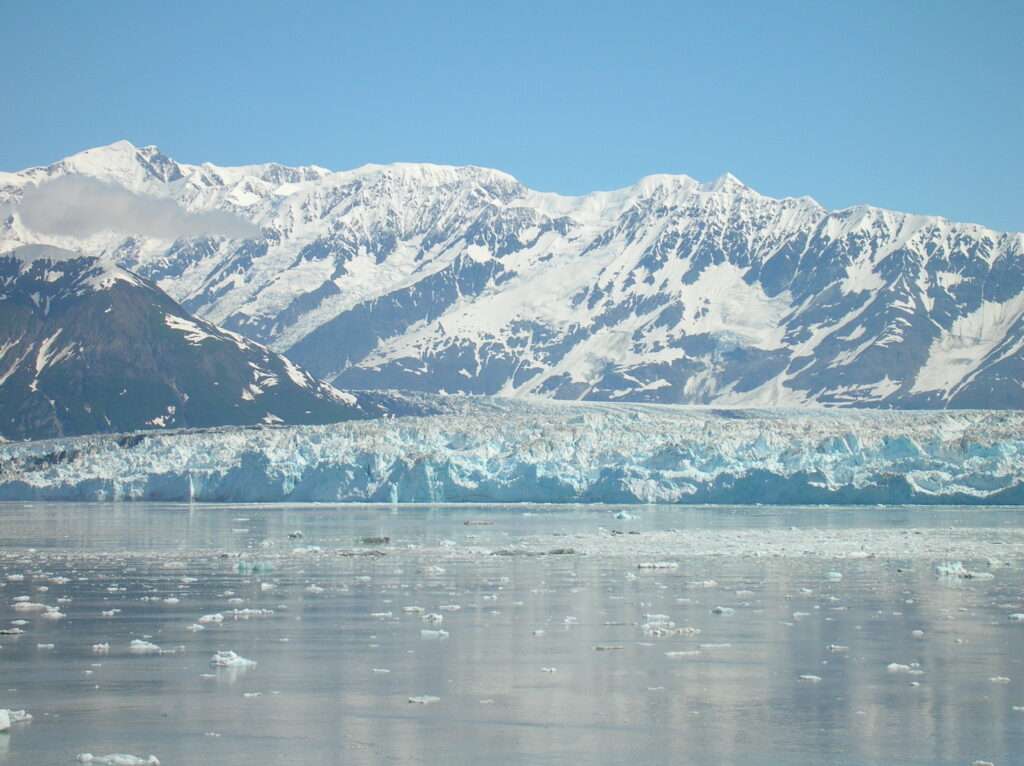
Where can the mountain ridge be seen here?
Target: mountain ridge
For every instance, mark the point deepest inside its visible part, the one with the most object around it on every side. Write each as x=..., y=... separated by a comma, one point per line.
x=462, y=279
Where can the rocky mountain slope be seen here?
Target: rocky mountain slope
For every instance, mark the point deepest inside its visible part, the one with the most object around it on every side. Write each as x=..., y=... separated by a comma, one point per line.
x=461, y=279
x=88, y=347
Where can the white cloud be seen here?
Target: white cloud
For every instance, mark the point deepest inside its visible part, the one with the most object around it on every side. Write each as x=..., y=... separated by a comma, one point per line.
x=78, y=206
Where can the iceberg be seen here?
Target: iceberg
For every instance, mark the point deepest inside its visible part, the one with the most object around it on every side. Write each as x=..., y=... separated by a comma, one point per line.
x=477, y=450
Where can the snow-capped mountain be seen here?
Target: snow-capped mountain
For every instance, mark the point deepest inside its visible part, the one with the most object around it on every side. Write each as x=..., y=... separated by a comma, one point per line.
x=87, y=347
x=461, y=279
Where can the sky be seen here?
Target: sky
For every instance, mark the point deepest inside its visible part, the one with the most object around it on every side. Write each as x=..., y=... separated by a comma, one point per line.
x=916, y=106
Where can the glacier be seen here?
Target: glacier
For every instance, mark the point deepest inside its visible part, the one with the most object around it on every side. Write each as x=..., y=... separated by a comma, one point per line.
x=483, y=450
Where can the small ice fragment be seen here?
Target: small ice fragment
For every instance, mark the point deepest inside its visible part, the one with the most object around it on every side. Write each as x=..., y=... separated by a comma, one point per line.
x=206, y=619
x=413, y=609
x=266, y=587
x=118, y=759
x=838, y=648
x=1017, y=617
x=424, y=699
x=999, y=680
x=450, y=607
x=5, y=720
x=808, y=678
x=228, y=659
x=379, y=670
x=607, y=648
x=834, y=576
x=918, y=634
x=896, y=667
x=723, y=610
x=624, y=516
x=433, y=635
x=143, y=647
x=29, y=606
x=103, y=648
x=433, y=618
x=314, y=589
x=549, y=670
x=657, y=565
x=687, y=653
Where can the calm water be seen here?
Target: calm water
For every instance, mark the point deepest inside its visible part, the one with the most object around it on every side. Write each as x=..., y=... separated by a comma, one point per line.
x=546, y=661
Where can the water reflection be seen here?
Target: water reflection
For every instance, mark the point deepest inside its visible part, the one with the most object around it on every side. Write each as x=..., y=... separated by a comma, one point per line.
x=726, y=692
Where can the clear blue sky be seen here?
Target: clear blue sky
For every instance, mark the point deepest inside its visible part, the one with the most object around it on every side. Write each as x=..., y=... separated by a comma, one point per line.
x=917, y=106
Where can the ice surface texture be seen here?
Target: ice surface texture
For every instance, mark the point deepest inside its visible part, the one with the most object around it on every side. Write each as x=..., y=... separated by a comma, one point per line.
x=495, y=450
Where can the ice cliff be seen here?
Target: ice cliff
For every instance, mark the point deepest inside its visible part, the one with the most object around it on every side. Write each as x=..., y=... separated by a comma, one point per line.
x=514, y=451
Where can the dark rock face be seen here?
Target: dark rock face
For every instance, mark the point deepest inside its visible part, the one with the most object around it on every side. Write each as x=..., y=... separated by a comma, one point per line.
x=89, y=348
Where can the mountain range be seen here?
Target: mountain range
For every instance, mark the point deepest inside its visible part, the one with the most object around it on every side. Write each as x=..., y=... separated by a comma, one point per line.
x=463, y=280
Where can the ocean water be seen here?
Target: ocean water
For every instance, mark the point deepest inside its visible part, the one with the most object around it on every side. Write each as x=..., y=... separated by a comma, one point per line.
x=581, y=635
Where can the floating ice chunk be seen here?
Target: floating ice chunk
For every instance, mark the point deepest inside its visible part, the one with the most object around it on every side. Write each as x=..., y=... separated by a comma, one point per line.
x=918, y=634
x=52, y=613
x=433, y=618
x=982, y=763
x=457, y=607
x=29, y=606
x=206, y=619
x=314, y=589
x=810, y=679
x=624, y=516
x=433, y=635
x=12, y=717
x=228, y=659
x=657, y=565
x=956, y=569
x=723, y=610
x=686, y=653
x=110, y=612
x=608, y=648
x=171, y=600
x=195, y=627
x=424, y=699
x=45, y=646
x=103, y=648
x=549, y=670
x=138, y=646
x=1017, y=617
x=897, y=667
x=999, y=680
x=838, y=648
x=413, y=609
x=118, y=759
x=379, y=670
x=834, y=576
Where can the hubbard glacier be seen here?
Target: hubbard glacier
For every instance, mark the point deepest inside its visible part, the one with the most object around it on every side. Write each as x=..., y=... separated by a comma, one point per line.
x=416, y=383
x=473, y=450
